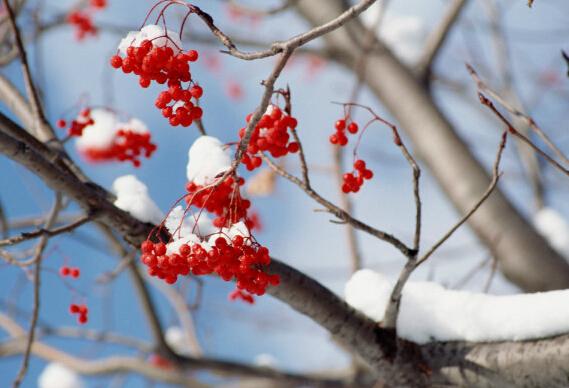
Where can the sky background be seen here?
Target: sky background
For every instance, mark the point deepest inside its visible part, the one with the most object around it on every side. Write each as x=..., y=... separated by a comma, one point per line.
x=71, y=71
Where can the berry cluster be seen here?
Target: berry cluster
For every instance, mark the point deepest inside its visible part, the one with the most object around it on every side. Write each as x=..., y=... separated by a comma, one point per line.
x=78, y=125
x=164, y=65
x=340, y=138
x=82, y=312
x=224, y=201
x=128, y=145
x=82, y=19
x=353, y=181
x=65, y=271
x=239, y=259
x=271, y=135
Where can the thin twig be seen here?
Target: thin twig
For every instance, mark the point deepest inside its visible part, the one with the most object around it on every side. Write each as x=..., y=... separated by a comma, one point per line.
x=512, y=130
x=44, y=232
x=483, y=87
x=37, y=284
x=438, y=37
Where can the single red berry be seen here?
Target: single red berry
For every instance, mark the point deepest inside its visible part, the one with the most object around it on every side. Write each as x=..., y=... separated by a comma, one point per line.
x=367, y=174
x=64, y=271
x=75, y=272
x=73, y=308
x=61, y=123
x=353, y=128
x=334, y=139
x=116, y=61
x=340, y=125
x=82, y=319
x=359, y=165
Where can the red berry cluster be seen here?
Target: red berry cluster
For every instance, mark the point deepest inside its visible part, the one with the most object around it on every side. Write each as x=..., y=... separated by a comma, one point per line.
x=353, y=181
x=79, y=124
x=65, y=271
x=224, y=201
x=128, y=145
x=165, y=66
x=82, y=19
x=82, y=312
x=239, y=259
x=271, y=135
x=340, y=137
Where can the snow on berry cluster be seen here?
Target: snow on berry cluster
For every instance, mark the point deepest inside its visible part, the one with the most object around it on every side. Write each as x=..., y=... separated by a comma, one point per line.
x=102, y=137
x=155, y=54
x=82, y=19
x=271, y=134
x=202, y=246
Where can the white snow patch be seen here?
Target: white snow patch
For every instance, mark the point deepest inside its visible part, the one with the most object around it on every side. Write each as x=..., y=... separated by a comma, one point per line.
x=56, y=375
x=429, y=312
x=133, y=197
x=405, y=35
x=178, y=340
x=156, y=34
x=208, y=157
x=102, y=133
x=551, y=225
x=266, y=360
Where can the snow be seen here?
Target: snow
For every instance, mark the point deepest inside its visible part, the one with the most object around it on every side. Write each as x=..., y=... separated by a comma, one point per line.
x=551, y=225
x=102, y=133
x=429, y=312
x=405, y=35
x=133, y=197
x=265, y=360
x=208, y=157
x=56, y=375
x=178, y=340
x=156, y=34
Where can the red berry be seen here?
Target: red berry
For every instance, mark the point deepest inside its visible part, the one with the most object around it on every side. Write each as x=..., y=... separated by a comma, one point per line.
x=367, y=174
x=353, y=128
x=75, y=273
x=116, y=61
x=340, y=125
x=61, y=123
x=64, y=271
x=359, y=165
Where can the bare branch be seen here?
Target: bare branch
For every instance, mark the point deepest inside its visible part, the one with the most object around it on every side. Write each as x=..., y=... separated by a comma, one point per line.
x=44, y=232
x=37, y=283
x=438, y=37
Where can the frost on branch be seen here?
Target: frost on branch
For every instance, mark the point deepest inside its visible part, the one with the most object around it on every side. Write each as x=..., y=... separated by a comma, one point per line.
x=554, y=228
x=429, y=312
x=103, y=137
x=199, y=245
x=133, y=197
x=56, y=375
